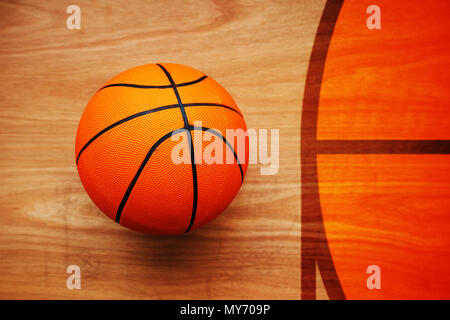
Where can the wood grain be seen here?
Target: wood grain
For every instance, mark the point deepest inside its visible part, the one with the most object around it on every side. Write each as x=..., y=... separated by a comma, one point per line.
x=375, y=166
x=390, y=211
x=258, y=50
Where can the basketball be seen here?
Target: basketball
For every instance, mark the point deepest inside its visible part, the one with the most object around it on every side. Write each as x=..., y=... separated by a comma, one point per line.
x=144, y=147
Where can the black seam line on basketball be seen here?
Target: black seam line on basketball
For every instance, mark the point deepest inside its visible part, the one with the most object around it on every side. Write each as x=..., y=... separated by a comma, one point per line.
x=140, y=86
x=201, y=104
x=177, y=94
x=195, y=181
x=143, y=113
x=141, y=168
x=226, y=142
x=136, y=115
x=191, y=146
x=380, y=146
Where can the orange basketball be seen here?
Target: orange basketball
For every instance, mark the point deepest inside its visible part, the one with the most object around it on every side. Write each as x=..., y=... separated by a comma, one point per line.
x=137, y=124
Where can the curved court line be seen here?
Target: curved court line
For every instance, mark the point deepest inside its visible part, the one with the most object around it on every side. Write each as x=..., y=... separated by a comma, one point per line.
x=314, y=245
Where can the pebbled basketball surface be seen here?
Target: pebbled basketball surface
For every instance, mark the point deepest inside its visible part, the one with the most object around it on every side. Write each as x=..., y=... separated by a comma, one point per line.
x=363, y=176
x=125, y=142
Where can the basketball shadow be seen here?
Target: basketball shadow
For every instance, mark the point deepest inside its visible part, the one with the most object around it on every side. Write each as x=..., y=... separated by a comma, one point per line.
x=201, y=258
x=154, y=266
x=188, y=248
